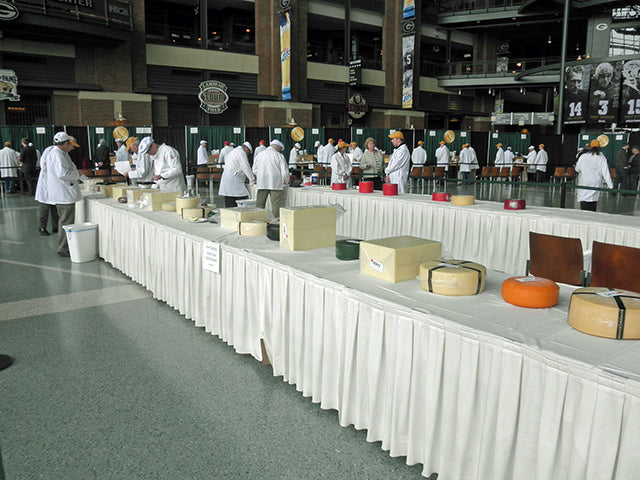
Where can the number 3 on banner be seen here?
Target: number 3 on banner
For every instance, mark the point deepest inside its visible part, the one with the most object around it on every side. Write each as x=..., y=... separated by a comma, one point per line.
x=604, y=107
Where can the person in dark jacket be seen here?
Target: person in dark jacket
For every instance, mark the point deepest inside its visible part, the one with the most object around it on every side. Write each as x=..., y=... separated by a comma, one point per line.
x=29, y=159
x=622, y=168
x=102, y=154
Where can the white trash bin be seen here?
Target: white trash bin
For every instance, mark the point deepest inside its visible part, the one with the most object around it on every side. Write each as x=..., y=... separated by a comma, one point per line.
x=83, y=240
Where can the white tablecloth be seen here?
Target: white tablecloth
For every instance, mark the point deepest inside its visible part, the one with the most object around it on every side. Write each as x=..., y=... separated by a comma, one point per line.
x=471, y=387
x=484, y=233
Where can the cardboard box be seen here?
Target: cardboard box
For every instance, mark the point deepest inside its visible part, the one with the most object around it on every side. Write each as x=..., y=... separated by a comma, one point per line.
x=153, y=199
x=134, y=193
x=396, y=259
x=305, y=228
x=108, y=189
x=120, y=191
x=232, y=217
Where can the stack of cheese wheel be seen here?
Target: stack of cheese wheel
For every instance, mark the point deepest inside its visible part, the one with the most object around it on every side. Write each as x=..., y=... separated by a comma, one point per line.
x=390, y=189
x=514, y=204
x=273, y=232
x=197, y=212
x=255, y=228
x=365, y=187
x=463, y=200
x=348, y=249
x=530, y=292
x=169, y=206
x=441, y=197
x=452, y=277
x=186, y=202
x=604, y=312
x=338, y=186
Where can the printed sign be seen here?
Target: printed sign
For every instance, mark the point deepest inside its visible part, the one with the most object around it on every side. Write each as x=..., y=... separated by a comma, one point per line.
x=8, y=11
x=605, y=92
x=211, y=257
x=9, y=86
x=576, y=93
x=407, y=70
x=631, y=92
x=285, y=55
x=213, y=97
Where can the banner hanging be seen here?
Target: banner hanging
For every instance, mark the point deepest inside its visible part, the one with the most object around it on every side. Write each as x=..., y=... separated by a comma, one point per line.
x=408, y=43
x=285, y=55
x=605, y=92
x=631, y=92
x=576, y=93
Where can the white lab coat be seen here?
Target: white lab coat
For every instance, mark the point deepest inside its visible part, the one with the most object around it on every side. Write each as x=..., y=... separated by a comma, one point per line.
x=121, y=154
x=294, y=156
x=508, y=158
x=224, y=152
x=325, y=153
x=144, y=167
x=398, y=167
x=419, y=156
x=466, y=160
x=203, y=158
x=531, y=161
x=442, y=157
x=166, y=162
x=8, y=158
x=63, y=180
x=341, y=166
x=259, y=149
x=356, y=153
x=236, y=171
x=271, y=170
x=42, y=190
x=474, y=158
x=592, y=171
x=499, y=157
x=541, y=160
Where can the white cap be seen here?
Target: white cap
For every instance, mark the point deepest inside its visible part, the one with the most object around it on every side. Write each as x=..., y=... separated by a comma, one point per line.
x=531, y=147
x=248, y=145
x=317, y=143
x=232, y=144
x=61, y=137
x=203, y=142
x=145, y=143
x=297, y=145
x=508, y=148
x=119, y=140
x=277, y=143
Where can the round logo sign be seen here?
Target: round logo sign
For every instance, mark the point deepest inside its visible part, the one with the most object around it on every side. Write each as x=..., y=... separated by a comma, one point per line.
x=213, y=96
x=604, y=140
x=8, y=11
x=449, y=136
x=297, y=134
x=120, y=133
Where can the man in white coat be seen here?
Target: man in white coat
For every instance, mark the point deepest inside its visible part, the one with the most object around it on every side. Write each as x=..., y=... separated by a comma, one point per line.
x=166, y=166
x=531, y=163
x=466, y=161
x=355, y=151
x=499, y=161
x=419, y=155
x=443, y=156
x=236, y=172
x=63, y=185
x=121, y=151
x=397, y=170
x=326, y=152
x=272, y=173
x=260, y=148
x=508, y=157
x=541, y=163
x=202, y=157
x=142, y=162
x=45, y=209
x=226, y=150
x=593, y=171
x=294, y=155
x=9, y=164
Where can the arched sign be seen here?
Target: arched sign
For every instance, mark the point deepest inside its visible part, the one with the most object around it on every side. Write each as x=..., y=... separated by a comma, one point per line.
x=8, y=11
x=213, y=97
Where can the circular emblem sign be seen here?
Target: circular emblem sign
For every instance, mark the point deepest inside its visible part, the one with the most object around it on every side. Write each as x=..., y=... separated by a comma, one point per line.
x=449, y=136
x=297, y=134
x=604, y=140
x=8, y=11
x=120, y=133
x=213, y=97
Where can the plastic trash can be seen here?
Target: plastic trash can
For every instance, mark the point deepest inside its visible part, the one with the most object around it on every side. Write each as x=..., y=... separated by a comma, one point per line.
x=82, y=239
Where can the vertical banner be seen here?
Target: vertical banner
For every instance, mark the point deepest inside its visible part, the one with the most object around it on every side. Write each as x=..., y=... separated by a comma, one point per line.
x=407, y=70
x=605, y=92
x=631, y=92
x=285, y=55
x=409, y=9
x=576, y=93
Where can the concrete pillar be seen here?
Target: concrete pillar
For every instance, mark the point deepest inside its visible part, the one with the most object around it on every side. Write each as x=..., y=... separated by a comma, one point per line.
x=392, y=52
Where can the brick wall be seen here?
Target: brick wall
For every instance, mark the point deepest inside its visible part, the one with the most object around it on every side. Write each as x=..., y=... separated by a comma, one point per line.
x=137, y=113
x=250, y=115
x=160, y=112
x=66, y=110
x=96, y=112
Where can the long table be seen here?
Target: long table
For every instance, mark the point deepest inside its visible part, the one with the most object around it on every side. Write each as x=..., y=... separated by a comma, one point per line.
x=484, y=232
x=470, y=387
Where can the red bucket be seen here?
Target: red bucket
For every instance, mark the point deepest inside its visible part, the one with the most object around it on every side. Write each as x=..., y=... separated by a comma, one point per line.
x=390, y=189
x=441, y=197
x=365, y=187
x=338, y=186
x=514, y=204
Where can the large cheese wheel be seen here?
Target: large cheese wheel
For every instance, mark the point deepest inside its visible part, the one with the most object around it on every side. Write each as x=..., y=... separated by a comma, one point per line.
x=365, y=187
x=186, y=202
x=530, y=292
x=604, y=312
x=390, y=189
x=255, y=228
x=198, y=212
x=452, y=277
x=441, y=197
x=348, y=249
x=463, y=200
x=514, y=204
x=338, y=186
x=169, y=206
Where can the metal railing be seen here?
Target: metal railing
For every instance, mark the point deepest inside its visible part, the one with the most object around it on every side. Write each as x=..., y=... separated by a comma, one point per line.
x=463, y=6
x=494, y=68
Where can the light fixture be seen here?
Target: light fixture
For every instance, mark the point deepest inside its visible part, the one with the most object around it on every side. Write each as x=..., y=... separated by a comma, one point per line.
x=579, y=57
x=248, y=30
x=555, y=90
x=459, y=91
x=587, y=56
x=519, y=64
x=549, y=40
x=489, y=91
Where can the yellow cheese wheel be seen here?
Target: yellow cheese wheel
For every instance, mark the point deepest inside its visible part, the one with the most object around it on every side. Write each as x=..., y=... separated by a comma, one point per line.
x=253, y=229
x=604, y=312
x=199, y=212
x=530, y=292
x=169, y=206
x=463, y=200
x=452, y=277
x=186, y=202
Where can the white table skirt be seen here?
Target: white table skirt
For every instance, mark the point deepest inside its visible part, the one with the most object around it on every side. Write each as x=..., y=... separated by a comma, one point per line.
x=483, y=233
x=470, y=387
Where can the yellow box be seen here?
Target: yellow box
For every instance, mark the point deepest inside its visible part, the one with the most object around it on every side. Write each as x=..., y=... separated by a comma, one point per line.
x=396, y=259
x=305, y=228
x=120, y=191
x=153, y=199
x=232, y=217
x=134, y=193
x=108, y=189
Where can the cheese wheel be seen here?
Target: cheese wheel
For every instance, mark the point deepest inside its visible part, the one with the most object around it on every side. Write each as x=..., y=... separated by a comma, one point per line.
x=530, y=292
x=365, y=187
x=169, y=206
x=463, y=200
x=348, y=249
x=441, y=197
x=452, y=277
x=606, y=313
x=514, y=204
x=186, y=202
x=338, y=186
x=199, y=212
x=253, y=229
x=390, y=189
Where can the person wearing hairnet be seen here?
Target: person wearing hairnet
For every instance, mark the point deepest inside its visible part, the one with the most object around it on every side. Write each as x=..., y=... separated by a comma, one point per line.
x=397, y=170
x=203, y=157
x=167, y=169
x=236, y=171
x=272, y=174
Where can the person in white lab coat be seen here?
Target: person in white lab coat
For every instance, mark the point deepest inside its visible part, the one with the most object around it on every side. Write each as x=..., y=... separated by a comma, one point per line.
x=226, y=150
x=508, y=157
x=294, y=155
x=593, y=171
x=397, y=170
x=202, y=157
x=326, y=152
x=530, y=159
x=236, y=172
x=260, y=148
x=45, y=209
x=419, y=155
x=63, y=185
x=121, y=151
x=466, y=161
x=355, y=151
x=272, y=174
x=474, y=161
x=9, y=164
x=499, y=161
x=143, y=171
x=541, y=163
x=443, y=156
x=341, y=165
x=166, y=166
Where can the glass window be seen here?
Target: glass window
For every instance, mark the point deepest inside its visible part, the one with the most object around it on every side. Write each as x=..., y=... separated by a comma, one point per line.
x=624, y=41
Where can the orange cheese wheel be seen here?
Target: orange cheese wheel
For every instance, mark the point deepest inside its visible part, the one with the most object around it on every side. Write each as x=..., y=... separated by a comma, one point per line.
x=530, y=292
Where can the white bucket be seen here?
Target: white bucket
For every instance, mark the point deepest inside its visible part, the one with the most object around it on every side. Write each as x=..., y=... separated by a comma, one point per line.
x=83, y=240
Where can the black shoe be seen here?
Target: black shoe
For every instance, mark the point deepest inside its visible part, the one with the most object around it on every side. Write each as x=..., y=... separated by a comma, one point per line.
x=64, y=254
x=43, y=231
x=55, y=230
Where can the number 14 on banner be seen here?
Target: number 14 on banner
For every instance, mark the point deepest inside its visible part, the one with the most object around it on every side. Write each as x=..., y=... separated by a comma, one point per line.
x=211, y=257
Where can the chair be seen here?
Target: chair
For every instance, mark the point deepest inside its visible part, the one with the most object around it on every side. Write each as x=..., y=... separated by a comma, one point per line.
x=416, y=174
x=557, y=258
x=319, y=169
x=202, y=173
x=495, y=172
x=117, y=177
x=103, y=173
x=559, y=174
x=516, y=174
x=86, y=172
x=356, y=175
x=438, y=175
x=615, y=266
x=485, y=173
x=504, y=173
x=571, y=174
